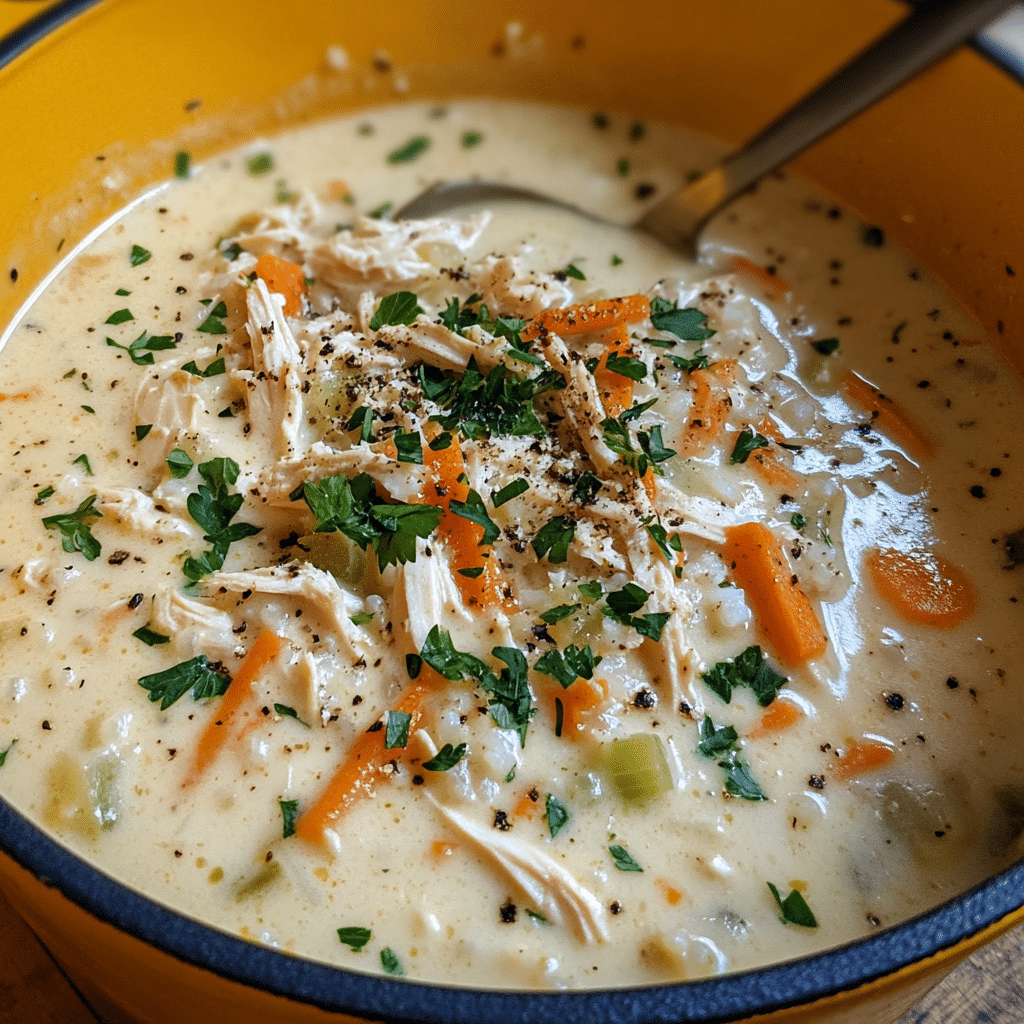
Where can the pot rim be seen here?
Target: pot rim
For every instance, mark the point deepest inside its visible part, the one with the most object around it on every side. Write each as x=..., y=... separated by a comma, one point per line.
x=334, y=988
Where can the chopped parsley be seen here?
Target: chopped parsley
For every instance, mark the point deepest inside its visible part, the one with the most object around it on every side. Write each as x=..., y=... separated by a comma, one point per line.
x=626, y=366
x=361, y=618
x=142, y=348
x=797, y=521
x=213, y=507
x=182, y=164
x=569, y=665
x=390, y=962
x=620, y=606
x=289, y=816
x=139, y=255
x=362, y=420
x=150, y=637
x=396, y=733
x=508, y=492
x=397, y=308
x=553, y=539
x=215, y=368
x=83, y=460
x=214, y=322
x=4, y=753
x=381, y=211
x=623, y=859
x=286, y=712
x=723, y=743
x=46, y=492
x=354, y=937
x=409, y=447
x=354, y=508
x=746, y=443
x=510, y=704
x=75, y=529
x=120, y=316
x=173, y=683
x=501, y=403
x=475, y=511
x=826, y=346
x=556, y=813
x=179, y=464
x=794, y=909
x=698, y=361
x=261, y=163
x=142, y=430
x=571, y=270
x=446, y=758
x=652, y=451
x=747, y=669
x=471, y=139
x=412, y=149
x=686, y=324
x=559, y=612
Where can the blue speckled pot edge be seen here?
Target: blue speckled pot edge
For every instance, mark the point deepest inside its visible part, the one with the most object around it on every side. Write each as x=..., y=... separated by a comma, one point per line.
x=710, y=1001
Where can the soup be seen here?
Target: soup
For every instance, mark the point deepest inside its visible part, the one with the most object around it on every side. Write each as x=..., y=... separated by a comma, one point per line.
x=650, y=606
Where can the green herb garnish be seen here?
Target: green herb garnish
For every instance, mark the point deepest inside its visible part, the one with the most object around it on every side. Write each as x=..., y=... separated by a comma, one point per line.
x=623, y=860
x=289, y=816
x=446, y=758
x=182, y=164
x=150, y=637
x=120, y=316
x=412, y=149
x=139, y=255
x=354, y=937
x=179, y=463
x=569, y=665
x=620, y=606
x=215, y=369
x=746, y=669
x=396, y=733
x=391, y=964
x=83, y=460
x=826, y=346
x=75, y=530
x=553, y=539
x=213, y=507
x=142, y=348
x=262, y=163
x=173, y=683
x=354, y=508
x=474, y=510
x=214, y=322
x=556, y=813
x=394, y=309
x=686, y=324
x=508, y=492
x=746, y=443
x=794, y=908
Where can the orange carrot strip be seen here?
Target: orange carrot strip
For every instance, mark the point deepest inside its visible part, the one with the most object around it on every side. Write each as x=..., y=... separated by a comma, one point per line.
x=589, y=316
x=232, y=706
x=766, y=462
x=775, y=286
x=490, y=589
x=527, y=804
x=285, y=278
x=710, y=408
x=922, y=586
x=616, y=391
x=577, y=701
x=781, y=715
x=862, y=757
x=18, y=396
x=890, y=416
x=358, y=774
x=669, y=891
x=782, y=609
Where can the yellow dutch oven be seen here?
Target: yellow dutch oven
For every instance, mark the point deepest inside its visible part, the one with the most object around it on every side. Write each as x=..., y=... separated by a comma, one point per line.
x=96, y=97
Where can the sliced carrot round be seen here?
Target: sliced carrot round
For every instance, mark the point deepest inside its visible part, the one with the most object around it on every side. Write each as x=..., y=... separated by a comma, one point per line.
x=922, y=586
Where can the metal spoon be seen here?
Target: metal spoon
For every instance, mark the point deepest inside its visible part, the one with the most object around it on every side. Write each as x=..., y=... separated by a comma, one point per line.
x=931, y=30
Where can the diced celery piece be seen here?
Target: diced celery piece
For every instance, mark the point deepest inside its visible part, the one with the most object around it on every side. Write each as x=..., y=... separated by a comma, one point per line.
x=105, y=791
x=639, y=768
x=266, y=876
x=336, y=554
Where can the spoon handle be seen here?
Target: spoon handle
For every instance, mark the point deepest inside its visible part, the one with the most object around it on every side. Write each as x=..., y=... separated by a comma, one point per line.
x=930, y=31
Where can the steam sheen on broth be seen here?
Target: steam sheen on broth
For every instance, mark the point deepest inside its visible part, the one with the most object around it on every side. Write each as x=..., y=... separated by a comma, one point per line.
x=660, y=613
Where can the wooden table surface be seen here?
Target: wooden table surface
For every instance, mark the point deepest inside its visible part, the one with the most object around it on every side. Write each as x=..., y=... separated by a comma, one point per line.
x=986, y=989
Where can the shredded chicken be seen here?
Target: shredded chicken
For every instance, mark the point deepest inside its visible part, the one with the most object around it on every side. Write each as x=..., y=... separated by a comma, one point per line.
x=542, y=880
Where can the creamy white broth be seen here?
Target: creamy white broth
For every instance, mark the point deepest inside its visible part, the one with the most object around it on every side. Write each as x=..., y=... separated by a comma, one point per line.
x=100, y=765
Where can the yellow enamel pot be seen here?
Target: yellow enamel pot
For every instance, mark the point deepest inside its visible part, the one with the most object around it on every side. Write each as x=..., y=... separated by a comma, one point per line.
x=96, y=99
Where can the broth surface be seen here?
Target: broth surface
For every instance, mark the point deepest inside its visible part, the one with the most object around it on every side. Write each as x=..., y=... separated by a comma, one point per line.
x=619, y=821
